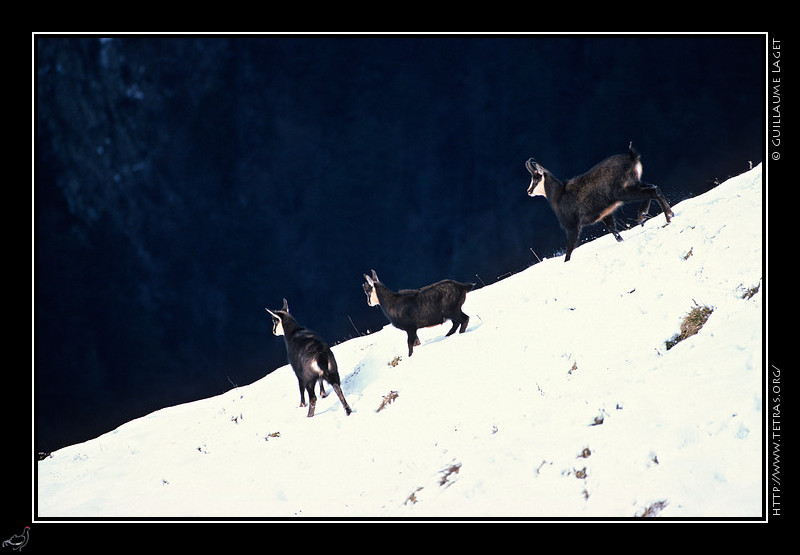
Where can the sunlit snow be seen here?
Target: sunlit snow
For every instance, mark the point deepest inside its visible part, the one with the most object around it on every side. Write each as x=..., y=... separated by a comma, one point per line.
x=561, y=400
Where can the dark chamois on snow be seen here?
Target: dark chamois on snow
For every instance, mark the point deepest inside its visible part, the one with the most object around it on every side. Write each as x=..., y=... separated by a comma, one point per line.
x=412, y=309
x=309, y=356
x=595, y=195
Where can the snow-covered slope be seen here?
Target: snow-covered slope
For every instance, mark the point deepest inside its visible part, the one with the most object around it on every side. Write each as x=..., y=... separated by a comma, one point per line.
x=561, y=400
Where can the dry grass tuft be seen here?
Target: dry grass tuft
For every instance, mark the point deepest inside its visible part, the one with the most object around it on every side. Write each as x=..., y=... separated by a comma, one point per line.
x=413, y=497
x=387, y=400
x=692, y=323
x=654, y=509
x=447, y=472
x=750, y=292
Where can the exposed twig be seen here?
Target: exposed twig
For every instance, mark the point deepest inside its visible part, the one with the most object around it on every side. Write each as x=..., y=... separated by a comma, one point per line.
x=354, y=326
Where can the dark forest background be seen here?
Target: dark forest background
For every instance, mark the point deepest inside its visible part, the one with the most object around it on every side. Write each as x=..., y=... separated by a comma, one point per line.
x=183, y=184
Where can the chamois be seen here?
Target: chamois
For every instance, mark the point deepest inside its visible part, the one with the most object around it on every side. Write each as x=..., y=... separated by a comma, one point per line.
x=595, y=195
x=411, y=309
x=309, y=356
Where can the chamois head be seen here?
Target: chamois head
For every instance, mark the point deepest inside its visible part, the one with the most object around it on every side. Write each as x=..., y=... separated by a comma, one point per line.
x=536, y=188
x=277, y=318
x=369, y=289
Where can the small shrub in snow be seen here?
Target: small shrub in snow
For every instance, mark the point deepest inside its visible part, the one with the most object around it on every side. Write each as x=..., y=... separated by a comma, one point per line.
x=654, y=509
x=750, y=292
x=387, y=400
x=413, y=497
x=692, y=323
x=447, y=472
x=574, y=367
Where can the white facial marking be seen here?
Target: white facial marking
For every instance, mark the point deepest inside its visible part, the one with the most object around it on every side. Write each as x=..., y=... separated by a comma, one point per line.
x=638, y=170
x=538, y=190
x=373, y=298
x=277, y=323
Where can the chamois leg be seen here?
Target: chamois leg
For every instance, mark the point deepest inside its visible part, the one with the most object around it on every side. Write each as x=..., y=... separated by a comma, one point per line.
x=312, y=399
x=464, y=322
x=644, y=208
x=668, y=213
x=413, y=340
x=572, y=240
x=461, y=320
x=646, y=193
x=611, y=225
x=322, y=392
x=302, y=393
x=456, y=322
x=339, y=394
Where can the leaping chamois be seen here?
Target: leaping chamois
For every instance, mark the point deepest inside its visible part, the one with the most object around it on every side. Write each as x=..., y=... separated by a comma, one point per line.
x=595, y=195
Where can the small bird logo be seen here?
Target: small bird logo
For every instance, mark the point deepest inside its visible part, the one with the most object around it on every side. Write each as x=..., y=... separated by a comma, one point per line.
x=18, y=541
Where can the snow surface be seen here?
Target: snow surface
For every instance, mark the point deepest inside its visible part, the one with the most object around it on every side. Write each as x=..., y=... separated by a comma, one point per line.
x=561, y=400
